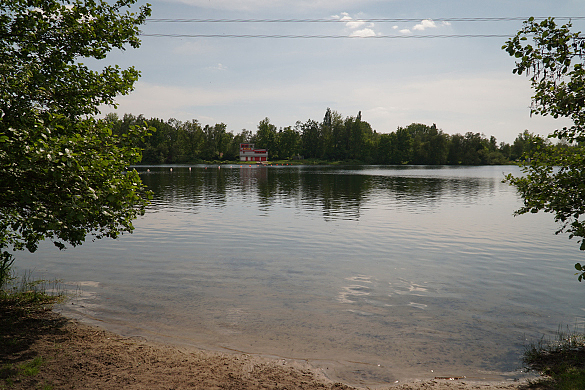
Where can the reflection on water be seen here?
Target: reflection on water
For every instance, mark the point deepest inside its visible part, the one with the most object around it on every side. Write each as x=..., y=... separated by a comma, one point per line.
x=375, y=274
x=336, y=193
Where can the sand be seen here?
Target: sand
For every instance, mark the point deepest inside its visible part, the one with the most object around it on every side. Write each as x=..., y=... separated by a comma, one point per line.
x=79, y=356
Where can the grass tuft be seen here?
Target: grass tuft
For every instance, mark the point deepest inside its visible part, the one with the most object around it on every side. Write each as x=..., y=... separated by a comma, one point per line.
x=31, y=368
x=22, y=299
x=25, y=290
x=560, y=360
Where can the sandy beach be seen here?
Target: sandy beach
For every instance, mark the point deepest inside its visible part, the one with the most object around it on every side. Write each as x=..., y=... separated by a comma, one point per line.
x=79, y=356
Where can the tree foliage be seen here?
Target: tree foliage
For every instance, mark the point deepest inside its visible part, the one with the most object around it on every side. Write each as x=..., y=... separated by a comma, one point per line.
x=554, y=180
x=63, y=174
x=336, y=138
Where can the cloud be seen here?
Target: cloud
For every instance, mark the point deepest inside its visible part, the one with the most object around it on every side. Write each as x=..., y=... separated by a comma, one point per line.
x=453, y=102
x=366, y=32
x=423, y=25
x=429, y=23
x=355, y=24
x=351, y=22
x=166, y=101
x=344, y=17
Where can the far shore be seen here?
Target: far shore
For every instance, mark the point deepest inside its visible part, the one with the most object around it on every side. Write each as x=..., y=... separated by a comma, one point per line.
x=304, y=162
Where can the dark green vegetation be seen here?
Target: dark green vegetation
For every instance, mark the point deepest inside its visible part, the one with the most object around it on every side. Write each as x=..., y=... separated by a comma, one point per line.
x=335, y=138
x=554, y=179
x=561, y=361
x=62, y=173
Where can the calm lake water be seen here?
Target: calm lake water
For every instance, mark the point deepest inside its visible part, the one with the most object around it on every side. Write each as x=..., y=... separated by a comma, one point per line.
x=374, y=274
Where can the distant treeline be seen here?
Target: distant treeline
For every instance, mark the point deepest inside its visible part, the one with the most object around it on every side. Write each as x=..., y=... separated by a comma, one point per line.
x=335, y=138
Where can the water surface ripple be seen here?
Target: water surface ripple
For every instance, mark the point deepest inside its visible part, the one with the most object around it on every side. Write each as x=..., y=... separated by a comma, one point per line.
x=375, y=274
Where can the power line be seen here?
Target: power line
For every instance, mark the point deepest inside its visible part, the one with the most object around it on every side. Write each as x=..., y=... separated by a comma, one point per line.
x=342, y=20
x=277, y=36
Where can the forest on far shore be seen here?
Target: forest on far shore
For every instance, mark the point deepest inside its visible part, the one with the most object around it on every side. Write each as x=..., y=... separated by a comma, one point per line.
x=335, y=138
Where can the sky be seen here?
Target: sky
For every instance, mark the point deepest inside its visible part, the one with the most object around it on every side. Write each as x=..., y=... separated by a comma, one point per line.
x=460, y=84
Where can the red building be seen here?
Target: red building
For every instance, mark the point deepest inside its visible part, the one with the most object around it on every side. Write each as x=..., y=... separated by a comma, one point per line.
x=249, y=153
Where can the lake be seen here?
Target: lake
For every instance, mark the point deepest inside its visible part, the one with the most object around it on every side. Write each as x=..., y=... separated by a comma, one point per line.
x=372, y=274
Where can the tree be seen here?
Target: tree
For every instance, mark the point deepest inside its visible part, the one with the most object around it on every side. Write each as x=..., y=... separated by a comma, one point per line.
x=430, y=145
x=267, y=137
x=475, y=149
x=191, y=139
x=335, y=130
x=63, y=174
x=526, y=144
x=289, y=142
x=554, y=180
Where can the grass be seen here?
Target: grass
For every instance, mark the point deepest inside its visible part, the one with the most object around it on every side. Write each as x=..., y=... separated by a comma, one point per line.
x=22, y=300
x=31, y=368
x=26, y=290
x=560, y=360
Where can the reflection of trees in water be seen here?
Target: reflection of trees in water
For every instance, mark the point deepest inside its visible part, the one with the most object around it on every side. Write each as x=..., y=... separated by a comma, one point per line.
x=335, y=193
x=339, y=196
x=184, y=188
x=424, y=193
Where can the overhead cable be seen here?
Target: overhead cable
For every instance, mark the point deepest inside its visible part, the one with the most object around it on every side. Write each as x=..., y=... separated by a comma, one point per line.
x=342, y=20
x=409, y=35
x=326, y=36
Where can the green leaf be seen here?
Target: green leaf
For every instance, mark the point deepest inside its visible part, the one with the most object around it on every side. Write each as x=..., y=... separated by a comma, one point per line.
x=58, y=163
x=553, y=175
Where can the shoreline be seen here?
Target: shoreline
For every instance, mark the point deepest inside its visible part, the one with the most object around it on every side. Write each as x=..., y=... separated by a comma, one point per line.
x=81, y=356
x=356, y=373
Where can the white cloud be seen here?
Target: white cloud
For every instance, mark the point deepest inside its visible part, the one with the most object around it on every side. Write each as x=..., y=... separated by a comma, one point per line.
x=345, y=16
x=405, y=31
x=351, y=22
x=366, y=32
x=355, y=24
x=427, y=23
